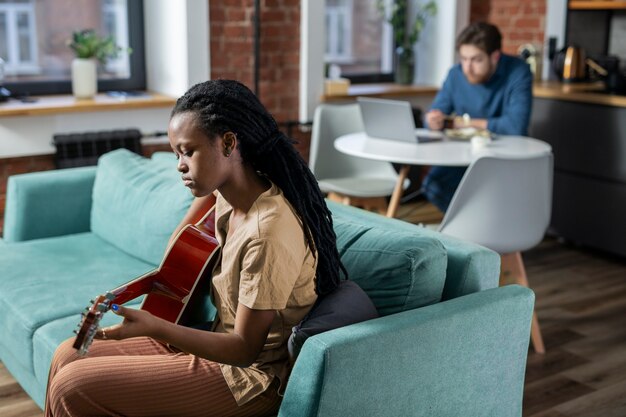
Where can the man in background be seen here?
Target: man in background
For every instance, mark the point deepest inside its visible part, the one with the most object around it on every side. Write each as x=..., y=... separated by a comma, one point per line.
x=486, y=90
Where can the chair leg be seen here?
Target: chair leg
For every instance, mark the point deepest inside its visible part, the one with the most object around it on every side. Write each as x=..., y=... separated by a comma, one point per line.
x=513, y=263
x=378, y=204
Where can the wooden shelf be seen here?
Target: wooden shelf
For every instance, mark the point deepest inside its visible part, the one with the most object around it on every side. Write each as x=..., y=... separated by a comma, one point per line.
x=596, y=4
x=383, y=90
x=57, y=104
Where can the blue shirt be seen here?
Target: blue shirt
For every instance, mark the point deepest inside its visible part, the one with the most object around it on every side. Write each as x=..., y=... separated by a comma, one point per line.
x=505, y=100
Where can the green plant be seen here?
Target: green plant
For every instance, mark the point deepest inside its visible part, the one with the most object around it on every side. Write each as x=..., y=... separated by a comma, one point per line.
x=406, y=36
x=88, y=44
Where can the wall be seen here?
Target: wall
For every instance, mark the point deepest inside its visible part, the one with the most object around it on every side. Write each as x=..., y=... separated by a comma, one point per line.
x=232, y=54
x=232, y=50
x=177, y=45
x=519, y=21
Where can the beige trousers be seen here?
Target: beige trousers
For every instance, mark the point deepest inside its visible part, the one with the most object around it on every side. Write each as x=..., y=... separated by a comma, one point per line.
x=142, y=377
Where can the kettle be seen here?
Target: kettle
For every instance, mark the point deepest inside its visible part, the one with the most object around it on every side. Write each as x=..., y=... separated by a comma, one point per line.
x=569, y=64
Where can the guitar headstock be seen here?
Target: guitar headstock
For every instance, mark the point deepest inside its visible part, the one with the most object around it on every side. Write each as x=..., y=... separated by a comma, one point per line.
x=88, y=326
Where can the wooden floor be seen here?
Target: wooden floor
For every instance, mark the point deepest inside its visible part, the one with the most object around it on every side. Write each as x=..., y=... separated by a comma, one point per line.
x=581, y=304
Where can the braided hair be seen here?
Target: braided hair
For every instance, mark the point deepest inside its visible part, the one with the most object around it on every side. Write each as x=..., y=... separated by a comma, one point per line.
x=228, y=106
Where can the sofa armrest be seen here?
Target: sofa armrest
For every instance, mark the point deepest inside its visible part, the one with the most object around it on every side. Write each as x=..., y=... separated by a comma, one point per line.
x=49, y=203
x=462, y=357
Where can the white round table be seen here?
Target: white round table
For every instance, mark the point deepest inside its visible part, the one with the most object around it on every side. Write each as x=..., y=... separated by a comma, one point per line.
x=445, y=152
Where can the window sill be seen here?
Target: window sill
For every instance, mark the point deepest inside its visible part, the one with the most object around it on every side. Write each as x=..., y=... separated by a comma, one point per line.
x=383, y=90
x=58, y=104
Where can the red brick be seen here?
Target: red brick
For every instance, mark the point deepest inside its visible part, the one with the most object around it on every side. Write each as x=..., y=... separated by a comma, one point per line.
x=235, y=14
x=269, y=16
x=237, y=30
x=527, y=23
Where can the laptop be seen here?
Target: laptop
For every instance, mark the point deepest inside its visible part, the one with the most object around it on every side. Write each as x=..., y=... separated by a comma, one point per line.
x=392, y=119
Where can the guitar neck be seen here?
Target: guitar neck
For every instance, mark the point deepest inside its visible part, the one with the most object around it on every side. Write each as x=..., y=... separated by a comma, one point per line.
x=135, y=288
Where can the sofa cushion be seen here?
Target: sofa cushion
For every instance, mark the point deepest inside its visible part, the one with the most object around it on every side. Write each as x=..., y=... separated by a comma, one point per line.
x=45, y=279
x=398, y=270
x=470, y=266
x=347, y=304
x=137, y=203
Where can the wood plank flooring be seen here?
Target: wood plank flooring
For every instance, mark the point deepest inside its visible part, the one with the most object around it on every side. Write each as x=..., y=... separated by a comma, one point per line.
x=581, y=305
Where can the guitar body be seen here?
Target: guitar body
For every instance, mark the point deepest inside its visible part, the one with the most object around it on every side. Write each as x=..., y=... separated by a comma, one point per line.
x=170, y=287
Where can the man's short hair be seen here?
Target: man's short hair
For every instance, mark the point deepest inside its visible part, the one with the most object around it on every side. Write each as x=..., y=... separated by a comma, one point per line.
x=482, y=35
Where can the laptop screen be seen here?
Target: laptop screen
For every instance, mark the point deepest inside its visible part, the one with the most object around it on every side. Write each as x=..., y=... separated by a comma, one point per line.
x=388, y=119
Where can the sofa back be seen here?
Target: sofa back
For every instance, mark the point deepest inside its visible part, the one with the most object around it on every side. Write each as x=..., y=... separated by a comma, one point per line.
x=469, y=266
x=137, y=203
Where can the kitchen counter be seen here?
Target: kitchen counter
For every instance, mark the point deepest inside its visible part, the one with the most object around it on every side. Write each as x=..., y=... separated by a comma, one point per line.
x=581, y=92
x=587, y=132
x=591, y=93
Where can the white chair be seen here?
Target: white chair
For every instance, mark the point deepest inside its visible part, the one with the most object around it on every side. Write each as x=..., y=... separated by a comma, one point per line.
x=347, y=179
x=505, y=205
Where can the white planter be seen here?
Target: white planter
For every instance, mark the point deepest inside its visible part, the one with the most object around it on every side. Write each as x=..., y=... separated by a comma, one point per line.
x=84, y=78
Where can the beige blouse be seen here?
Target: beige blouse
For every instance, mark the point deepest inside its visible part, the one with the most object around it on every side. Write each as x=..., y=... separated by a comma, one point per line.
x=265, y=265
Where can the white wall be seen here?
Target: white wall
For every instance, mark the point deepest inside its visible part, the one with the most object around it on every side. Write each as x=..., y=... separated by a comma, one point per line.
x=435, y=51
x=177, y=56
x=32, y=135
x=312, y=41
x=556, y=15
x=177, y=44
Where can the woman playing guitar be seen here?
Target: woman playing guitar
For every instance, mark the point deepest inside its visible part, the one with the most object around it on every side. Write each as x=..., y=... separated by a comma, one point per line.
x=277, y=254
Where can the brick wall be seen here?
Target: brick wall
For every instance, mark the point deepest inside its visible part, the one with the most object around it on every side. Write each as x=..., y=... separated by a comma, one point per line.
x=519, y=21
x=232, y=53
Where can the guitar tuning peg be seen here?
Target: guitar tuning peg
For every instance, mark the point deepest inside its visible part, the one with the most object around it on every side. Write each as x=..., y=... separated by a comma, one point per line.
x=86, y=308
x=92, y=301
x=75, y=331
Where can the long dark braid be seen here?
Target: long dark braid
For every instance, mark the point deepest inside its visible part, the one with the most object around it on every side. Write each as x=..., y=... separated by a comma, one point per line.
x=229, y=106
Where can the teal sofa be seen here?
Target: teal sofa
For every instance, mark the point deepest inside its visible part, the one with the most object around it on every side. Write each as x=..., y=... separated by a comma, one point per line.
x=449, y=342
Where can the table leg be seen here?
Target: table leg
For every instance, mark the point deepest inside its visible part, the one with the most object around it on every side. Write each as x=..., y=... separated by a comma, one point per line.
x=397, y=192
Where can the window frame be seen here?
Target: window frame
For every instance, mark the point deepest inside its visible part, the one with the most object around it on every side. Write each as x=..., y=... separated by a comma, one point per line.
x=136, y=81
x=339, y=14
x=11, y=13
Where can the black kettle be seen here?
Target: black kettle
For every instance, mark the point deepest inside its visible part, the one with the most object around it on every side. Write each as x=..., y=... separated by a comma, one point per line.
x=569, y=64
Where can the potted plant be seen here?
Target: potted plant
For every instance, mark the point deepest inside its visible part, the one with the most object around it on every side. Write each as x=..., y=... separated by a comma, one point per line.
x=90, y=49
x=404, y=35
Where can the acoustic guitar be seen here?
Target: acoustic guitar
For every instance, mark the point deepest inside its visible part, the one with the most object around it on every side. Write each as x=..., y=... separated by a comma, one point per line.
x=176, y=291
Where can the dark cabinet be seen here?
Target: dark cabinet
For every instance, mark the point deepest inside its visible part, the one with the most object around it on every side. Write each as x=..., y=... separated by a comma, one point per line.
x=589, y=146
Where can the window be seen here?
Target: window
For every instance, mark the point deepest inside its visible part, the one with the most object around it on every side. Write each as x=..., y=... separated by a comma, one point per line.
x=34, y=35
x=358, y=40
x=339, y=31
x=18, y=44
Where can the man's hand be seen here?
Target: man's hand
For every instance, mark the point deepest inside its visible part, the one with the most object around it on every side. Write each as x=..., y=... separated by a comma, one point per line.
x=435, y=119
x=136, y=323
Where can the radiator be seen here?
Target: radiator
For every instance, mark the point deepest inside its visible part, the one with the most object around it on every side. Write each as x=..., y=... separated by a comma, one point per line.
x=82, y=149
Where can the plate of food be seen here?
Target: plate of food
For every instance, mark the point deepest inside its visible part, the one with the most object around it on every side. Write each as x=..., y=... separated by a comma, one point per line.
x=466, y=133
